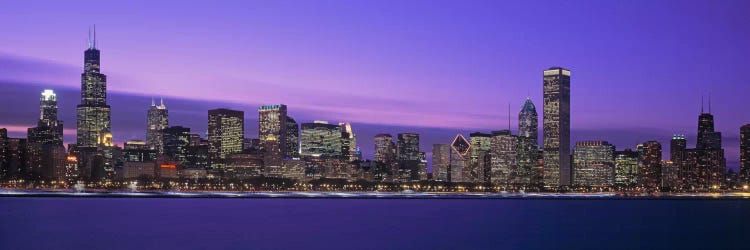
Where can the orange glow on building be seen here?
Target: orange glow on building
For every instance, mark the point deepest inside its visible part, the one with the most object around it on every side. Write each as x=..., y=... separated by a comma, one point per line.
x=169, y=166
x=72, y=158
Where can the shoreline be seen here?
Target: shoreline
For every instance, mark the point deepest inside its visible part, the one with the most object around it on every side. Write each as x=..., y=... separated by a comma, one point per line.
x=368, y=195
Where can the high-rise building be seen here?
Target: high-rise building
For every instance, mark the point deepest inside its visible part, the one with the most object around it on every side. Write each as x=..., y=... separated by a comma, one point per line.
x=158, y=119
x=176, y=142
x=408, y=156
x=745, y=152
x=557, y=170
x=503, y=157
x=292, y=138
x=649, y=172
x=49, y=129
x=459, y=157
x=272, y=119
x=93, y=113
x=226, y=130
x=527, y=153
x=593, y=164
x=528, y=121
x=478, y=169
x=626, y=168
x=440, y=160
x=385, y=149
x=348, y=142
x=321, y=139
x=704, y=167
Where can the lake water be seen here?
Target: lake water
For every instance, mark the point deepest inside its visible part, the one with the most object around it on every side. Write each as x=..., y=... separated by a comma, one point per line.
x=214, y=223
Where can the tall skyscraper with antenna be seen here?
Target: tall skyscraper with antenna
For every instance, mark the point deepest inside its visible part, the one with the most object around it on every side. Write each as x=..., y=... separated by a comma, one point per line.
x=158, y=119
x=93, y=113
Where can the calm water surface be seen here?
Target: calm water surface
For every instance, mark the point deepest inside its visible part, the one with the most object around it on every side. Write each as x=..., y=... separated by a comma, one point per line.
x=151, y=223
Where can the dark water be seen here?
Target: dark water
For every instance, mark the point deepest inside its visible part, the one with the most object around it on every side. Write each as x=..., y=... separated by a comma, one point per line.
x=155, y=223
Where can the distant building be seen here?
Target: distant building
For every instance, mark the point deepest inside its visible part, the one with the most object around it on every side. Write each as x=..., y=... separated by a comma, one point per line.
x=460, y=156
x=649, y=172
x=321, y=139
x=670, y=175
x=503, y=157
x=408, y=156
x=528, y=122
x=226, y=130
x=243, y=166
x=272, y=120
x=158, y=119
x=745, y=153
x=593, y=164
x=557, y=170
x=49, y=129
x=478, y=169
x=132, y=170
x=93, y=113
x=292, y=138
x=527, y=155
x=626, y=168
x=176, y=140
x=440, y=162
x=385, y=148
x=348, y=142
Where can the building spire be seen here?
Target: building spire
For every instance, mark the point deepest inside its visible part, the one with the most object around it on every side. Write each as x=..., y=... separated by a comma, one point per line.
x=701, y=104
x=94, y=36
x=509, y=117
x=89, y=37
x=161, y=101
x=153, y=103
x=709, y=102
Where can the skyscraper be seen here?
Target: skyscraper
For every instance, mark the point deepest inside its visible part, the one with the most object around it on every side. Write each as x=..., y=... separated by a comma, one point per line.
x=503, y=157
x=292, y=138
x=158, y=119
x=478, y=169
x=321, y=139
x=649, y=173
x=440, y=160
x=49, y=130
x=626, y=168
x=408, y=156
x=272, y=119
x=528, y=121
x=677, y=147
x=385, y=149
x=348, y=142
x=593, y=164
x=557, y=170
x=745, y=152
x=459, y=157
x=176, y=142
x=93, y=113
x=226, y=130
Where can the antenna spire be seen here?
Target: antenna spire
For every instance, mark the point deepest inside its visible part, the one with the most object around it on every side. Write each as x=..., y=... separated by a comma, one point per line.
x=161, y=101
x=709, y=102
x=152, y=102
x=94, y=36
x=89, y=37
x=509, y=117
x=701, y=104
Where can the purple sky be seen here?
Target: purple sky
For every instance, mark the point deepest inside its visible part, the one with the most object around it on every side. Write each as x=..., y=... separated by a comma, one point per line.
x=433, y=67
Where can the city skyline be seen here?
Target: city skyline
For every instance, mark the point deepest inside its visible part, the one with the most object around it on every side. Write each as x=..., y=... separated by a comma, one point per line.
x=591, y=107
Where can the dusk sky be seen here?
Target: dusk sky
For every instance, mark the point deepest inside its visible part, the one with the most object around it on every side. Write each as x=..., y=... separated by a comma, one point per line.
x=438, y=68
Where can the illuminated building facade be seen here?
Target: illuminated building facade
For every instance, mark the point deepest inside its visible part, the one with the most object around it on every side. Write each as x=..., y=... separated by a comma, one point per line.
x=292, y=138
x=158, y=119
x=226, y=130
x=478, y=169
x=503, y=157
x=320, y=139
x=385, y=148
x=440, y=160
x=176, y=141
x=459, y=157
x=272, y=120
x=527, y=154
x=626, y=168
x=745, y=153
x=49, y=129
x=408, y=156
x=593, y=164
x=348, y=143
x=528, y=121
x=557, y=170
x=649, y=171
x=93, y=113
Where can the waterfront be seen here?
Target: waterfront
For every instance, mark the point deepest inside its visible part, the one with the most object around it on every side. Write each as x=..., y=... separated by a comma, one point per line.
x=190, y=223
